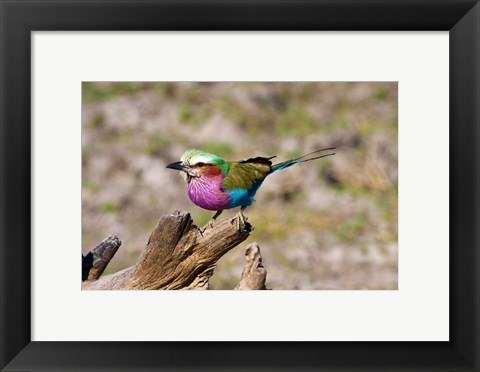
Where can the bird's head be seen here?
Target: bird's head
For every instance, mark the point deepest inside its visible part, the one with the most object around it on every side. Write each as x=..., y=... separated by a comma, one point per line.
x=197, y=164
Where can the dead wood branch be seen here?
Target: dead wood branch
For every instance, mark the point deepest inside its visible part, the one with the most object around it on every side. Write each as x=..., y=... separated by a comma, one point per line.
x=177, y=255
x=254, y=274
x=95, y=261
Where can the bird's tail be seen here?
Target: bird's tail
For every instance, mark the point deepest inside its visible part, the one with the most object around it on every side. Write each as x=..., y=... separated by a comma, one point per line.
x=299, y=160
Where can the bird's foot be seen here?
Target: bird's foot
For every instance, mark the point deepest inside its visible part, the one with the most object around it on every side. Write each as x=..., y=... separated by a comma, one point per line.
x=208, y=225
x=240, y=221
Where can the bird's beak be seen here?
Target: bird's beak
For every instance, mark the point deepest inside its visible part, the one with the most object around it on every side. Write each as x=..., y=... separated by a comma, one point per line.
x=178, y=165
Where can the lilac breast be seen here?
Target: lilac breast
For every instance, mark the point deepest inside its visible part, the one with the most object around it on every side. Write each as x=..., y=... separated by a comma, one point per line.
x=207, y=193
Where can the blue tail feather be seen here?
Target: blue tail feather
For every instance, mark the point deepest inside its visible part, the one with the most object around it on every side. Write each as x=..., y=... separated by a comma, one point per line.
x=291, y=162
x=285, y=164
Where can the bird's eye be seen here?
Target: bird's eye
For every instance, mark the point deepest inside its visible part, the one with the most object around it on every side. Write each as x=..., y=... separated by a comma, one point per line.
x=200, y=164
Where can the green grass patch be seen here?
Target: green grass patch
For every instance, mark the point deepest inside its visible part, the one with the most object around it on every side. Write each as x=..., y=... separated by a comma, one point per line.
x=98, y=120
x=90, y=185
x=294, y=154
x=187, y=115
x=380, y=94
x=110, y=207
x=233, y=110
x=349, y=230
x=295, y=122
x=221, y=149
x=293, y=196
x=165, y=90
x=364, y=250
x=194, y=96
x=155, y=145
x=366, y=128
x=338, y=187
x=104, y=91
x=86, y=153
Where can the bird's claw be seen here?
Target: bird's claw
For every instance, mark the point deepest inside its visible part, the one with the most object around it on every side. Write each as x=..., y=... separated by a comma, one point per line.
x=208, y=225
x=240, y=221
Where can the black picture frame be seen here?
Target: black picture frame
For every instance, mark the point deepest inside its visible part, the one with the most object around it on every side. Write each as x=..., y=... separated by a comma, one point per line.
x=19, y=18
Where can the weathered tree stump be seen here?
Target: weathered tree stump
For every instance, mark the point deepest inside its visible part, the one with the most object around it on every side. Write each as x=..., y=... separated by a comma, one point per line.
x=177, y=256
x=254, y=274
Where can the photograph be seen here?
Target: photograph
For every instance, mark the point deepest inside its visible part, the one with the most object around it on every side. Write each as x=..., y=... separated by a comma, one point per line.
x=240, y=185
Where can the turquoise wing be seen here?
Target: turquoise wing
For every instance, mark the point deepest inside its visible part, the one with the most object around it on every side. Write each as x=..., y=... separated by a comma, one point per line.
x=243, y=180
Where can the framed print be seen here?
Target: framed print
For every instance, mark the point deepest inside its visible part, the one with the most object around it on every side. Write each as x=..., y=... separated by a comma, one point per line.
x=98, y=97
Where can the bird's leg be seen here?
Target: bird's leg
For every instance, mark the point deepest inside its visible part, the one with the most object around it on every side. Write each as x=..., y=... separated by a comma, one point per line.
x=215, y=216
x=211, y=221
x=242, y=217
x=240, y=220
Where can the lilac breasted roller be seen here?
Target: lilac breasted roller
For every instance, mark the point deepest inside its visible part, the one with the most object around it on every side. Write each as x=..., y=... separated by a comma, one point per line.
x=217, y=184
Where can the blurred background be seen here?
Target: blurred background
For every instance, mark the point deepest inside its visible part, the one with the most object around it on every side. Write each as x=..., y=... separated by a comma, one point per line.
x=327, y=224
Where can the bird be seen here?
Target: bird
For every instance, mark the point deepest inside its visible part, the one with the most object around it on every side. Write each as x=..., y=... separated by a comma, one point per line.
x=216, y=184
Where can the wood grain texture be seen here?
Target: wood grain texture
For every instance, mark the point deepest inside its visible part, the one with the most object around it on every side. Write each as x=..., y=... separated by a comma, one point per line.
x=177, y=255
